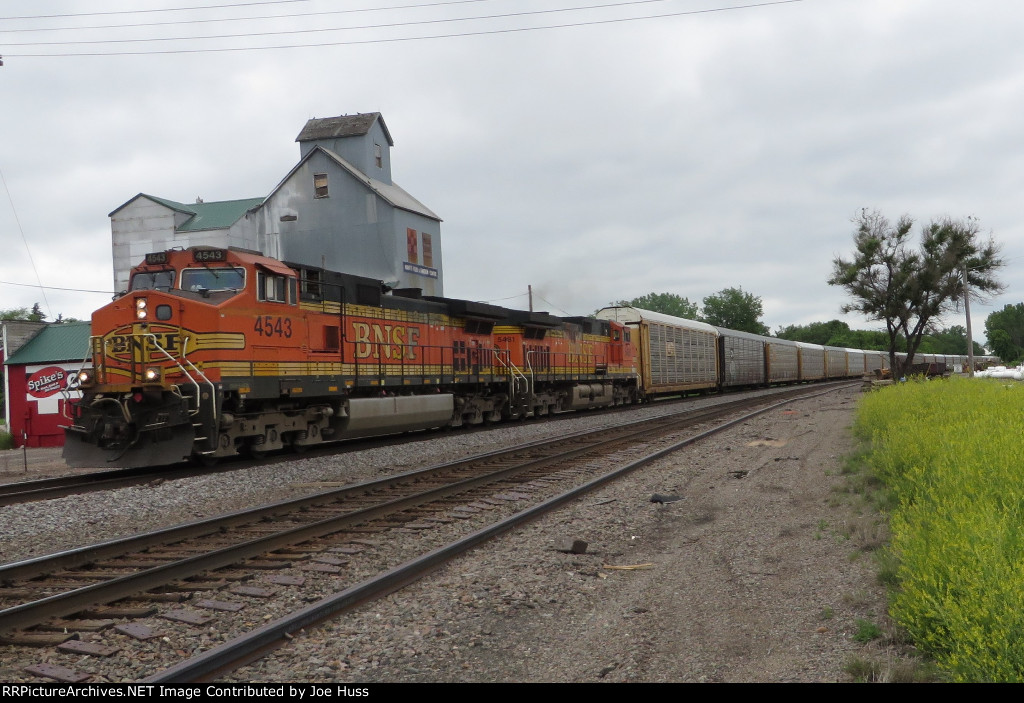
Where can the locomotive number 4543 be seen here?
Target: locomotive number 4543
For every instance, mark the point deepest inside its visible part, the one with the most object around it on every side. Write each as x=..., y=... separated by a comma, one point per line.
x=270, y=326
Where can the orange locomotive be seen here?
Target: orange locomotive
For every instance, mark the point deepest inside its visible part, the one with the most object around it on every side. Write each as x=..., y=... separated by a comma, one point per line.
x=216, y=351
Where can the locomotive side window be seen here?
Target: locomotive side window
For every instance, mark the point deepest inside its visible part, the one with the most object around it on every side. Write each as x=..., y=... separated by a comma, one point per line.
x=153, y=280
x=212, y=279
x=275, y=288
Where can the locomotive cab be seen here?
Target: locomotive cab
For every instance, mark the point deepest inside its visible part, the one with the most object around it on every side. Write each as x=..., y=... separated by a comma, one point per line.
x=151, y=397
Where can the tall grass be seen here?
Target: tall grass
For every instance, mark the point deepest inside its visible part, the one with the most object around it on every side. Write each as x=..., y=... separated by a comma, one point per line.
x=953, y=455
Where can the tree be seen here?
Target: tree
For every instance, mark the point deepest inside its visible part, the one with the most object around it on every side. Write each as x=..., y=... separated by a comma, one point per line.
x=952, y=341
x=14, y=314
x=814, y=333
x=667, y=303
x=910, y=289
x=35, y=315
x=1005, y=332
x=732, y=308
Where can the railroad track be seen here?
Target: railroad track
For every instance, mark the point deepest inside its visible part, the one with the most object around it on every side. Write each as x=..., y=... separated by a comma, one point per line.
x=51, y=601
x=15, y=493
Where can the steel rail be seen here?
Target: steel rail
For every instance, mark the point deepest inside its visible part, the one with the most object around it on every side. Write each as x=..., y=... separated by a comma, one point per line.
x=38, y=611
x=36, y=566
x=242, y=650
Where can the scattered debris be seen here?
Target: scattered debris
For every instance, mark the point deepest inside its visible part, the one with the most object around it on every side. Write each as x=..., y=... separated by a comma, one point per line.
x=571, y=546
x=660, y=498
x=767, y=443
x=628, y=567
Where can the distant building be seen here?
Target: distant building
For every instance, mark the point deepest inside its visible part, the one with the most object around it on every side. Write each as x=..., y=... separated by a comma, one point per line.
x=146, y=223
x=338, y=208
x=36, y=373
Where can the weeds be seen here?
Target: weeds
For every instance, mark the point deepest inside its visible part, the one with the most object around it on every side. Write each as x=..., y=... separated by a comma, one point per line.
x=949, y=456
x=866, y=631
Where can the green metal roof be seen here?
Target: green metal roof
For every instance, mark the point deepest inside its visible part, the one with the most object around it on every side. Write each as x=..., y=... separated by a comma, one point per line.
x=219, y=215
x=214, y=215
x=65, y=341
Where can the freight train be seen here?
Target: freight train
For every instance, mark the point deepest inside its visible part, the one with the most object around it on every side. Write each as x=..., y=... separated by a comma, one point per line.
x=214, y=352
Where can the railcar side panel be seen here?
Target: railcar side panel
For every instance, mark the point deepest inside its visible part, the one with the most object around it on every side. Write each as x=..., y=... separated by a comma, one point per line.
x=812, y=361
x=783, y=361
x=836, y=363
x=675, y=355
x=742, y=360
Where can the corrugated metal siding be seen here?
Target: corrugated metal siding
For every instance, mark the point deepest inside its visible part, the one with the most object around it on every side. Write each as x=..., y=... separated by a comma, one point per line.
x=681, y=356
x=742, y=360
x=856, y=361
x=835, y=362
x=876, y=360
x=812, y=361
x=783, y=362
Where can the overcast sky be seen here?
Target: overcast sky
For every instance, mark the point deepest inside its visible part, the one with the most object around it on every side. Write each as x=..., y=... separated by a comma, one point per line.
x=598, y=154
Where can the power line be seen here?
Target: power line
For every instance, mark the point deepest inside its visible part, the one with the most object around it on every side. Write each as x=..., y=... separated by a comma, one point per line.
x=316, y=30
x=74, y=290
x=508, y=297
x=286, y=15
x=149, y=10
x=453, y=35
x=25, y=239
x=552, y=304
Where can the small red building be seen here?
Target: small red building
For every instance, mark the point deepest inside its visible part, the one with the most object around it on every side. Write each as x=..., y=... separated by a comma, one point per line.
x=36, y=375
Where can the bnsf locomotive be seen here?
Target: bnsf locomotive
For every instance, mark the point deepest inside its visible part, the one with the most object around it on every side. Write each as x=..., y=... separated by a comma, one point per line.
x=214, y=352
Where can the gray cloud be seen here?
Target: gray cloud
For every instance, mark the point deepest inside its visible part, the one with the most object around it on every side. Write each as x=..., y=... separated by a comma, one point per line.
x=686, y=154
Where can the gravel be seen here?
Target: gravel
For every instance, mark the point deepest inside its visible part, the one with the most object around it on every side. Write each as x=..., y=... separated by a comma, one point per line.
x=759, y=573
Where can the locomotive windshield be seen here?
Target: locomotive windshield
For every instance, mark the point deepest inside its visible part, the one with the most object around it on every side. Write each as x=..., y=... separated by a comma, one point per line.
x=212, y=279
x=153, y=280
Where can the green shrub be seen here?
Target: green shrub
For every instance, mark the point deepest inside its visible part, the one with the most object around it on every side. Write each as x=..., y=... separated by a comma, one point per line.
x=6, y=440
x=951, y=453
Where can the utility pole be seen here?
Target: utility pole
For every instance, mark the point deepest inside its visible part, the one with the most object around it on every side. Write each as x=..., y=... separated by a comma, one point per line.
x=529, y=290
x=970, y=339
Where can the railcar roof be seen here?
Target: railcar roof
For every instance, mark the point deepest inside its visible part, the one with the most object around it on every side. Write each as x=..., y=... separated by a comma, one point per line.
x=622, y=313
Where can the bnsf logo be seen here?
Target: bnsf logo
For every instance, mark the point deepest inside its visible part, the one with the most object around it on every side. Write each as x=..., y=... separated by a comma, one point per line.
x=125, y=346
x=390, y=341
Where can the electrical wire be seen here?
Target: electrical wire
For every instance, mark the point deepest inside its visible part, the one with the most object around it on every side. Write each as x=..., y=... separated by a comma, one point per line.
x=316, y=30
x=25, y=240
x=74, y=290
x=354, y=42
x=287, y=15
x=567, y=314
x=154, y=9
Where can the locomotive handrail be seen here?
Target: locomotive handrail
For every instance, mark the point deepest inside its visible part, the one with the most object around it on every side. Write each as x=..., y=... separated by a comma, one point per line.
x=514, y=371
x=174, y=361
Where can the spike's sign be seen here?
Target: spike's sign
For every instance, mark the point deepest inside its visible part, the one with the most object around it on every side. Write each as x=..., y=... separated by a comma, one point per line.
x=45, y=382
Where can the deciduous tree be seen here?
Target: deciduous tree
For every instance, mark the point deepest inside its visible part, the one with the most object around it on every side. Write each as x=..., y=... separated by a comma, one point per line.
x=732, y=308
x=667, y=303
x=909, y=289
x=1005, y=332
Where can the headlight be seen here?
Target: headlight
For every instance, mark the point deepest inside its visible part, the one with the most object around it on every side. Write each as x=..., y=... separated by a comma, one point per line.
x=152, y=374
x=140, y=308
x=85, y=377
